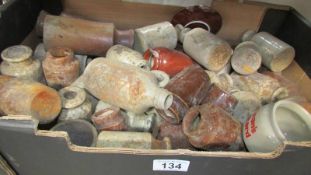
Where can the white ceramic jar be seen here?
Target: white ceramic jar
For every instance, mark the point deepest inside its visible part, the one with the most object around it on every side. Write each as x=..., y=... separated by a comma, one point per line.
x=276, y=123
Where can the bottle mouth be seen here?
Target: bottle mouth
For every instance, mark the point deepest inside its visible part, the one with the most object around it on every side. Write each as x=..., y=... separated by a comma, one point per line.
x=163, y=99
x=72, y=96
x=16, y=53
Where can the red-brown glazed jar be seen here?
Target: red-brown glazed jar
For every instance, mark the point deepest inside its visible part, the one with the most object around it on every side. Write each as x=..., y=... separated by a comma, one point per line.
x=198, y=13
x=167, y=60
x=210, y=127
x=60, y=67
x=220, y=98
x=189, y=87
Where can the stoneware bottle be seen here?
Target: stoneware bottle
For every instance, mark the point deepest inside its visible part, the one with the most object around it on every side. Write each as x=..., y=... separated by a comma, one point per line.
x=140, y=123
x=83, y=36
x=167, y=60
x=246, y=58
x=189, y=88
x=157, y=35
x=206, y=48
x=75, y=104
x=210, y=127
x=276, y=54
x=109, y=119
x=135, y=140
x=264, y=87
x=195, y=16
x=27, y=97
x=125, y=86
x=18, y=62
x=60, y=67
x=80, y=132
x=126, y=55
x=275, y=123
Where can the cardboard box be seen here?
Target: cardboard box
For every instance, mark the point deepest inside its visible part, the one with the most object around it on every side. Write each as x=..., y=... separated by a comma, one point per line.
x=31, y=151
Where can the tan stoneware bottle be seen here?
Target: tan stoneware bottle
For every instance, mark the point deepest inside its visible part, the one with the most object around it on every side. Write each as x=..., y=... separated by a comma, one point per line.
x=18, y=62
x=82, y=36
x=27, y=97
x=207, y=49
x=60, y=67
x=125, y=86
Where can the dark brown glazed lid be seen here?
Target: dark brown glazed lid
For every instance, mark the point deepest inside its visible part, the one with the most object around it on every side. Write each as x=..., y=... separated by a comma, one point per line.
x=199, y=13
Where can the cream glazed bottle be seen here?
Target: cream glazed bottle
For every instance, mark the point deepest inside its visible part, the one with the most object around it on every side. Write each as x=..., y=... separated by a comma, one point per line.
x=207, y=49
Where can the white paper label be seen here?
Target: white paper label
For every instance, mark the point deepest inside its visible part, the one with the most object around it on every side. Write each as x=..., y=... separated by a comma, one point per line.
x=170, y=165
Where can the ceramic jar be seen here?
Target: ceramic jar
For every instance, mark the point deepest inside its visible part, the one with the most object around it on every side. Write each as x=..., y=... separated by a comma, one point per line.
x=195, y=16
x=210, y=127
x=167, y=60
x=248, y=103
x=18, y=62
x=157, y=35
x=109, y=119
x=27, y=97
x=126, y=55
x=83, y=36
x=80, y=132
x=275, y=123
x=246, y=59
x=276, y=54
x=178, y=139
x=60, y=67
x=265, y=88
x=220, y=98
x=189, y=88
x=75, y=103
x=135, y=140
x=206, y=48
x=125, y=86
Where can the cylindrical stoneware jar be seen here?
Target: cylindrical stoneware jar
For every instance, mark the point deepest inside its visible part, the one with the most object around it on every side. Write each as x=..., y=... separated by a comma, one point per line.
x=167, y=60
x=157, y=35
x=126, y=55
x=276, y=54
x=206, y=48
x=75, y=103
x=135, y=140
x=80, y=132
x=18, y=62
x=196, y=16
x=60, y=67
x=125, y=86
x=246, y=59
x=210, y=127
x=275, y=123
x=83, y=36
x=189, y=88
x=27, y=97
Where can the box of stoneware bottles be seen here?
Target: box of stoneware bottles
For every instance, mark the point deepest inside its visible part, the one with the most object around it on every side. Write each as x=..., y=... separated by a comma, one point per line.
x=154, y=87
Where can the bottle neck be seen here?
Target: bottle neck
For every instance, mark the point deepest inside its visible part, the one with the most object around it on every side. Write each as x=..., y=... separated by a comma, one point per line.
x=163, y=99
x=124, y=37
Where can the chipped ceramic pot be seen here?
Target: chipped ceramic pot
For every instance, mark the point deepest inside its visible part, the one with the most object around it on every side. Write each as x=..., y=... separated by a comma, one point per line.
x=82, y=36
x=167, y=60
x=246, y=58
x=27, y=97
x=275, y=123
x=189, y=87
x=76, y=104
x=126, y=55
x=80, y=132
x=157, y=35
x=125, y=86
x=18, y=62
x=276, y=54
x=60, y=67
x=207, y=49
x=210, y=127
x=135, y=140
